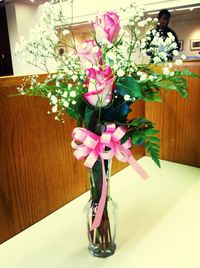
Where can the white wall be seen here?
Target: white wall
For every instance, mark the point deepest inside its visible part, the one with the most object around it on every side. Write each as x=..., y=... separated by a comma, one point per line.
x=186, y=31
x=21, y=18
x=85, y=9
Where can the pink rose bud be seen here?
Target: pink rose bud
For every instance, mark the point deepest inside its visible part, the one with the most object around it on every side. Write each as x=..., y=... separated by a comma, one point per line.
x=107, y=27
x=89, y=54
x=100, y=86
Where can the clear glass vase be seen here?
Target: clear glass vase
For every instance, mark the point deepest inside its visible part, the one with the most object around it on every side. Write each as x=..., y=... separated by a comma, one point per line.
x=101, y=239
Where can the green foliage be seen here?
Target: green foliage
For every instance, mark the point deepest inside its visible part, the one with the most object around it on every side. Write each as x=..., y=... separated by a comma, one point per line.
x=71, y=113
x=176, y=83
x=129, y=86
x=150, y=91
x=186, y=72
x=140, y=121
x=80, y=108
x=142, y=131
x=116, y=111
x=89, y=115
x=153, y=149
x=77, y=111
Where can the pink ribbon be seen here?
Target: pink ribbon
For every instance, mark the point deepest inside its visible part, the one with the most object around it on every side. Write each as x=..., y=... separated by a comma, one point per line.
x=90, y=147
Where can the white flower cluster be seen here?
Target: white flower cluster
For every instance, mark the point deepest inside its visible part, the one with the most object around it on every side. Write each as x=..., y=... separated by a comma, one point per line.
x=43, y=40
x=133, y=15
x=69, y=82
x=160, y=47
x=67, y=86
x=63, y=96
x=122, y=57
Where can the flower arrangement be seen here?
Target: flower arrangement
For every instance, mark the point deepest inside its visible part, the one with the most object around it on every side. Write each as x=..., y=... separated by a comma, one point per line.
x=101, y=78
x=98, y=82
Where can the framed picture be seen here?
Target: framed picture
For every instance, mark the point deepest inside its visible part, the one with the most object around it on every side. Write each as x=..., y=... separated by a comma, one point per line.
x=181, y=45
x=195, y=44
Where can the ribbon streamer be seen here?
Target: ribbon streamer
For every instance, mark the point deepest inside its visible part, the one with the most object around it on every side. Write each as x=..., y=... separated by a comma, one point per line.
x=90, y=147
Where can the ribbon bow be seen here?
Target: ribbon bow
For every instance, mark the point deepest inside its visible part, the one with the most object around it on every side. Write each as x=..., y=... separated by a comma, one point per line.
x=90, y=147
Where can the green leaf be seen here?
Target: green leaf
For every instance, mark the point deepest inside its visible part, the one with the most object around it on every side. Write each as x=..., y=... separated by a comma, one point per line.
x=141, y=140
x=71, y=113
x=142, y=132
x=155, y=146
x=175, y=83
x=155, y=139
x=148, y=144
x=150, y=91
x=135, y=137
x=154, y=153
x=89, y=115
x=140, y=121
x=151, y=131
x=80, y=107
x=128, y=85
x=186, y=72
x=151, y=144
x=169, y=86
x=152, y=97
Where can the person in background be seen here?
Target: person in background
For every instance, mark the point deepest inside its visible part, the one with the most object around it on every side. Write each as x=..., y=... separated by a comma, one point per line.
x=163, y=30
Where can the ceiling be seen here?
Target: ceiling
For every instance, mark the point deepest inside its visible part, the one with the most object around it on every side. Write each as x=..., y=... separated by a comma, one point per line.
x=185, y=13
x=180, y=13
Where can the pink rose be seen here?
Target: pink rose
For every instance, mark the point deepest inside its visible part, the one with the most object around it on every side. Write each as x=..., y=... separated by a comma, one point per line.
x=100, y=86
x=89, y=54
x=107, y=27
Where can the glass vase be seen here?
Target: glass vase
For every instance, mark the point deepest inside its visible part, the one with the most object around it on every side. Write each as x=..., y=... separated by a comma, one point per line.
x=102, y=238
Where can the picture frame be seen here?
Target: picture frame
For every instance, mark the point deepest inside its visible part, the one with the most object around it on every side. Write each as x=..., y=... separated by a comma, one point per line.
x=181, y=45
x=195, y=44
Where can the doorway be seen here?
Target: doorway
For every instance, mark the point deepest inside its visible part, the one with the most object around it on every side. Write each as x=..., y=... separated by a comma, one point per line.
x=5, y=54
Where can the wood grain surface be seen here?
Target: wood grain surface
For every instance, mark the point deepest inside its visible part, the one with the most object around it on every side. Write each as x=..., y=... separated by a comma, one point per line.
x=178, y=120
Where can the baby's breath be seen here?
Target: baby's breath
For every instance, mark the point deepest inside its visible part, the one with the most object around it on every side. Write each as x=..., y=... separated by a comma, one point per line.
x=65, y=88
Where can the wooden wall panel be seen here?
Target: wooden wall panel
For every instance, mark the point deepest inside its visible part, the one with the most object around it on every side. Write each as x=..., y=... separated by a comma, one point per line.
x=38, y=173
x=178, y=120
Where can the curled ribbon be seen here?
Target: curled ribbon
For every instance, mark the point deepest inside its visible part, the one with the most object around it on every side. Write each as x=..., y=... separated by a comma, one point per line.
x=90, y=147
